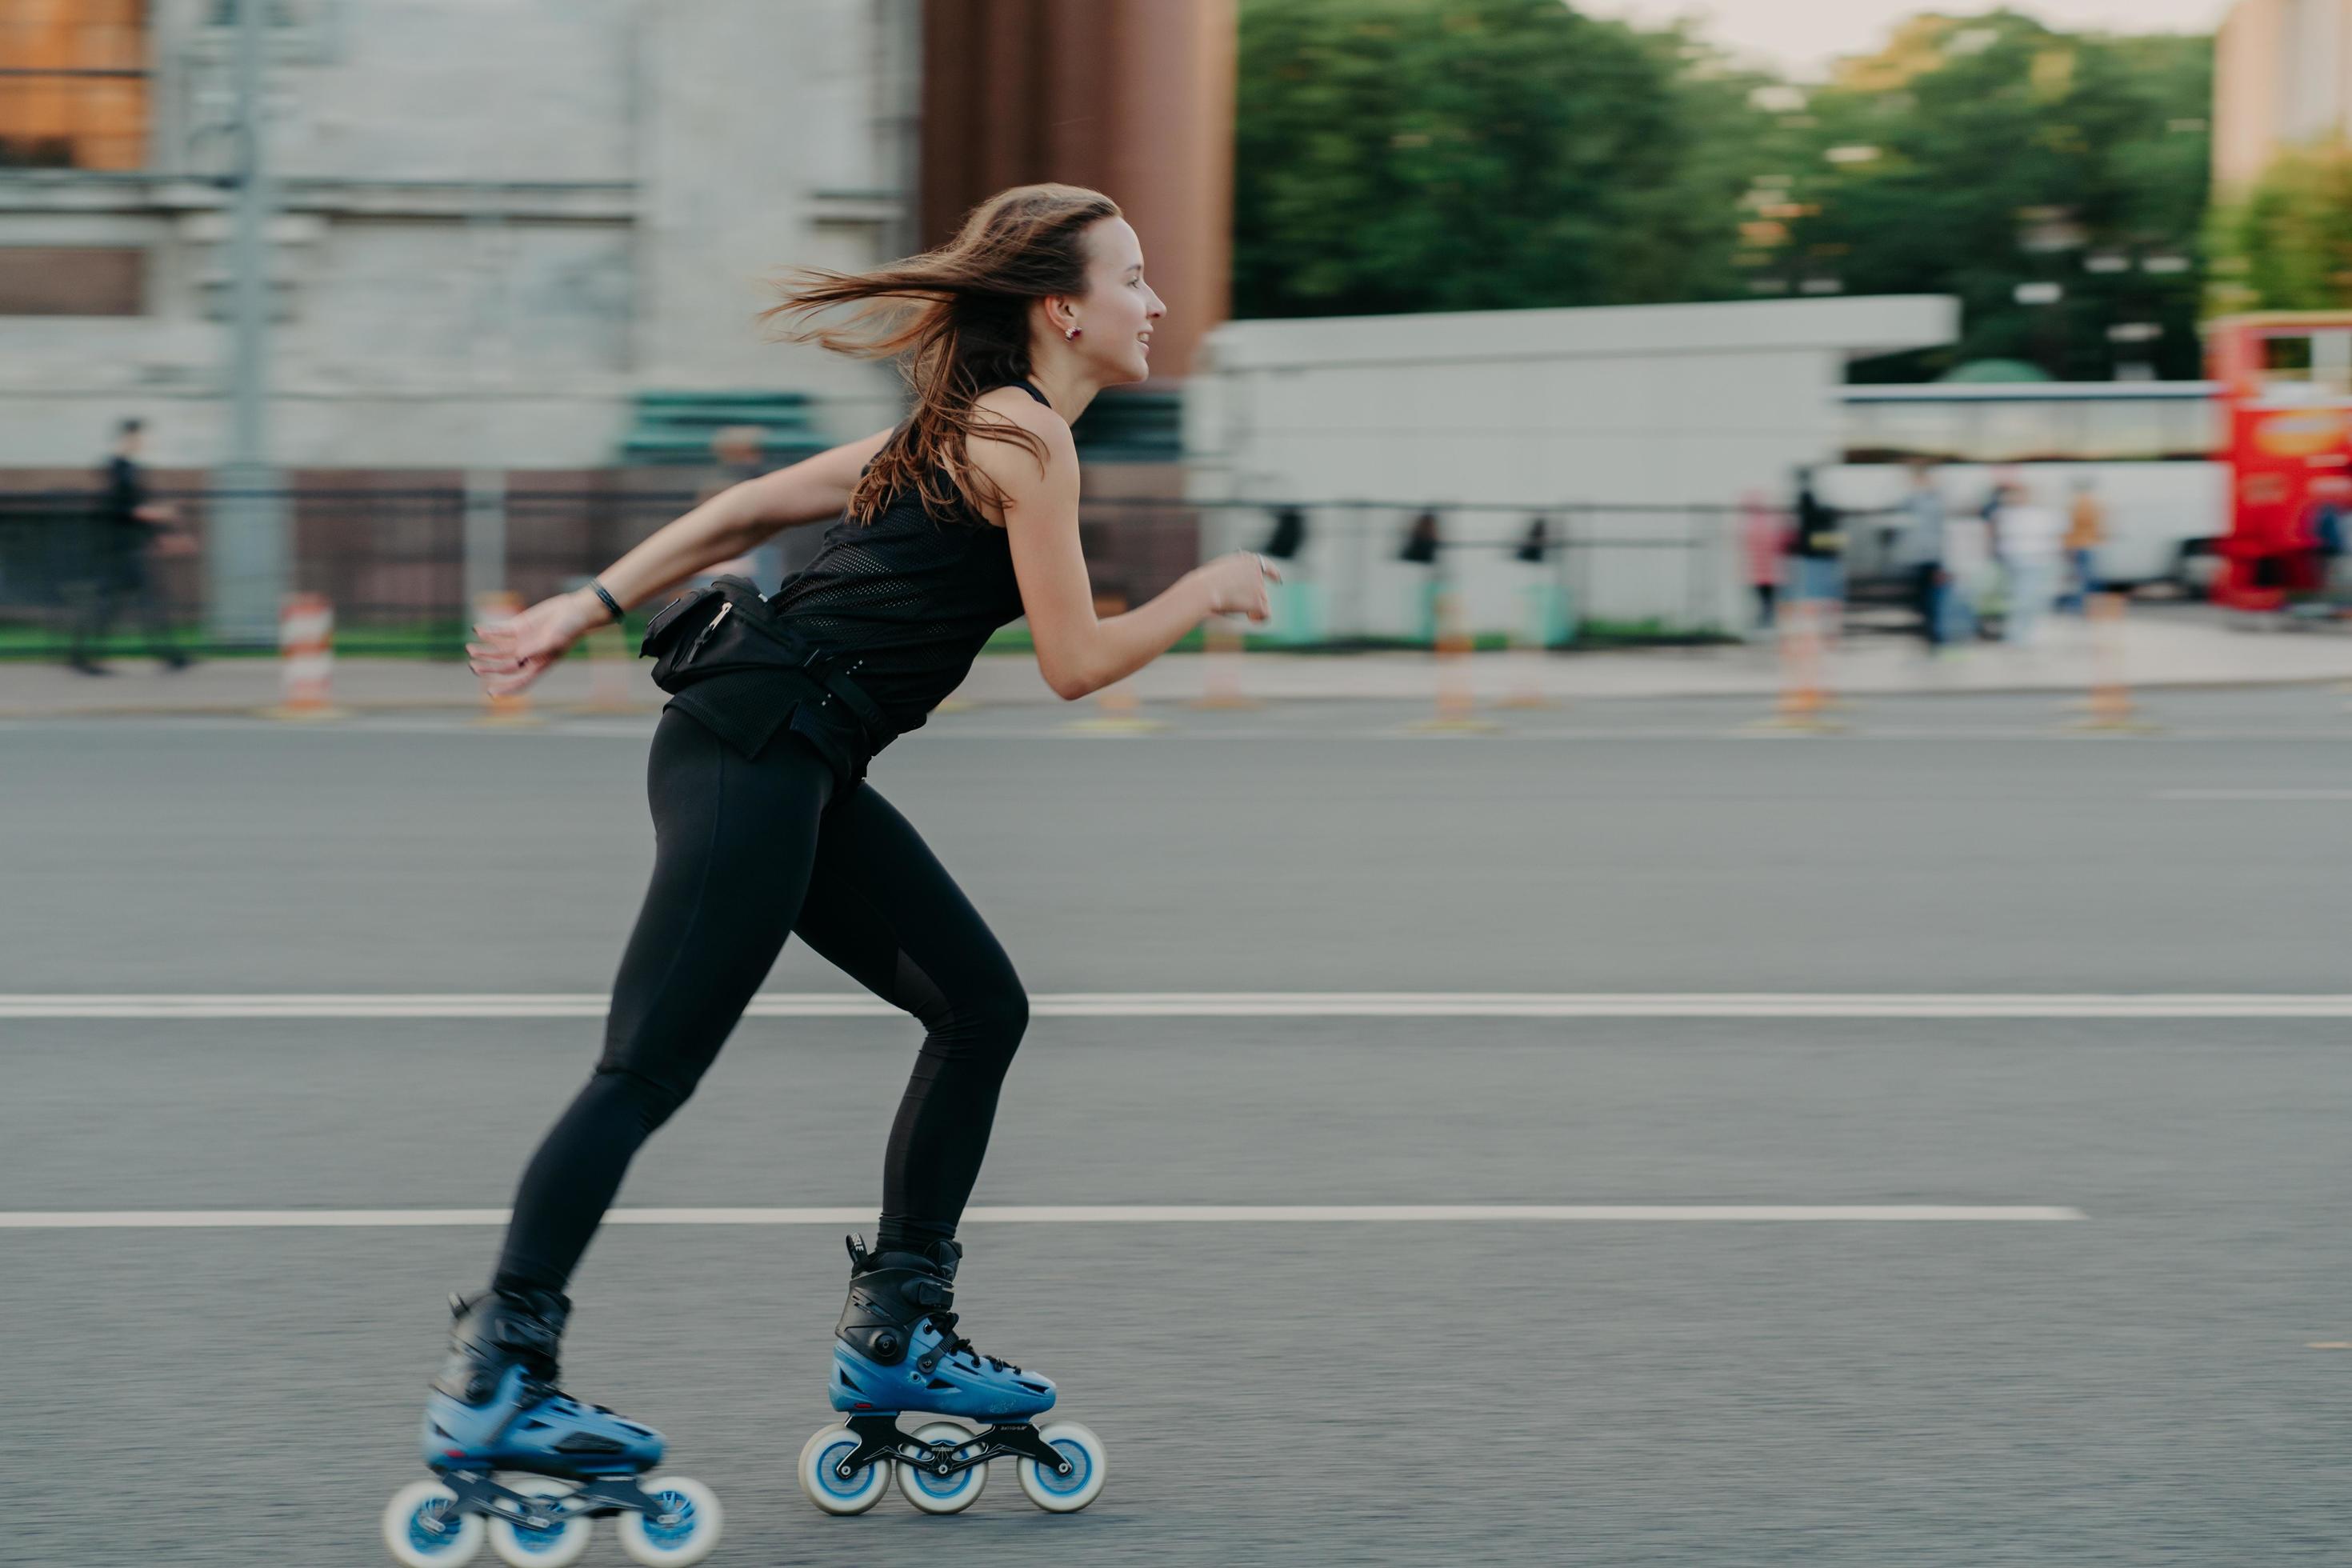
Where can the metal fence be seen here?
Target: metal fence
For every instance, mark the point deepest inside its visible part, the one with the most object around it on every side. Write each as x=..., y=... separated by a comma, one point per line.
x=392, y=561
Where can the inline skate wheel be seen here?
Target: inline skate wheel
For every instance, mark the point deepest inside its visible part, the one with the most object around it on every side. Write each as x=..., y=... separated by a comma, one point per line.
x=424, y=1528
x=935, y=1493
x=1056, y=1491
x=556, y=1546
x=685, y=1530
x=832, y=1491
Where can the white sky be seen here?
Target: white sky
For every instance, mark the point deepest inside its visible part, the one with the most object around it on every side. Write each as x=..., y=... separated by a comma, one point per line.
x=1803, y=35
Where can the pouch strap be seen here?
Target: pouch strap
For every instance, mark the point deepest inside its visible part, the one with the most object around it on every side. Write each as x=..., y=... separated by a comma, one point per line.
x=853, y=697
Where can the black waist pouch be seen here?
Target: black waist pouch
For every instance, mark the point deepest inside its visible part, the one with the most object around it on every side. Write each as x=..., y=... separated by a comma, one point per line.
x=716, y=637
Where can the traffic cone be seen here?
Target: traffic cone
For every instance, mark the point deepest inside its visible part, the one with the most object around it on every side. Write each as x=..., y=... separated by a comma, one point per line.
x=1805, y=699
x=1119, y=710
x=2109, y=709
x=306, y=650
x=489, y=610
x=1457, y=701
x=1527, y=650
x=610, y=687
x=1220, y=663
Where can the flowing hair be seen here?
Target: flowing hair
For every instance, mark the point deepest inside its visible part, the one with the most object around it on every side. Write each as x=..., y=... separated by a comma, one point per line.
x=957, y=321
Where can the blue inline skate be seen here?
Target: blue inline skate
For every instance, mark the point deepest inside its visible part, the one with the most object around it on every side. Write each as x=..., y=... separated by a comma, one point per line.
x=896, y=1350
x=528, y=1464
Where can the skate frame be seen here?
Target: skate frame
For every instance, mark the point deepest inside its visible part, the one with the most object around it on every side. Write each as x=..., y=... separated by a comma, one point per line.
x=595, y=1498
x=880, y=1437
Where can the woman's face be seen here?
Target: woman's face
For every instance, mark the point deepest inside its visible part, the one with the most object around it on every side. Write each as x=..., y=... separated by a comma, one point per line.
x=1117, y=313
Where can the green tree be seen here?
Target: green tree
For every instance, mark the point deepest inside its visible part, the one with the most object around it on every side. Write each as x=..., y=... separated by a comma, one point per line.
x=2286, y=244
x=1972, y=156
x=1397, y=155
x=1465, y=154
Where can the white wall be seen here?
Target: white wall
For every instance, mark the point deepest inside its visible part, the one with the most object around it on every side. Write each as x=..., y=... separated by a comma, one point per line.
x=1653, y=405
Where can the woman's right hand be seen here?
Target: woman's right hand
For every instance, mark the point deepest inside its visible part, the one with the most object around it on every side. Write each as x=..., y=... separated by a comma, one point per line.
x=1236, y=584
x=516, y=652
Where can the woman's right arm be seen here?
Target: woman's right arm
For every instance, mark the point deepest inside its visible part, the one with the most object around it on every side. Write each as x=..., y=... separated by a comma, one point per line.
x=1079, y=652
x=514, y=653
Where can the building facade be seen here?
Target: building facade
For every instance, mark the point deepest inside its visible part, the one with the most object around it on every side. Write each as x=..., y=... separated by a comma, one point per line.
x=498, y=222
x=536, y=233
x=1134, y=98
x=2282, y=77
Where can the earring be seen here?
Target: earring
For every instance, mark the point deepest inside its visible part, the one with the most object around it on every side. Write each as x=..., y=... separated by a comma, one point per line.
x=1072, y=335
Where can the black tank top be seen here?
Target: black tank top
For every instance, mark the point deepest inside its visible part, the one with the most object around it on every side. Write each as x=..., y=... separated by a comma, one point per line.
x=912, y=596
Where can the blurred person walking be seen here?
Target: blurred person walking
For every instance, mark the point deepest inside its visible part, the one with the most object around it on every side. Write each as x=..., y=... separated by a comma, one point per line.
x=2332, y=554
x=960, y=519
x=1922, y=549
x=116, y=570
x=2028, y=538
x=2086, y=530
x=1818, y=550
x=1764, y=539
x=739, y=453
x=1968, y=565
x=2323, y=528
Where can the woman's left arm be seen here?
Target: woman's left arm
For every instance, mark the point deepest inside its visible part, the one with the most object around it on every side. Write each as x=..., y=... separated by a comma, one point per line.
x=809, y=492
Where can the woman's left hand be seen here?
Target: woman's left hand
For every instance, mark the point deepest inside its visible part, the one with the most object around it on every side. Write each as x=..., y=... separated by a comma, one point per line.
x=514, y=652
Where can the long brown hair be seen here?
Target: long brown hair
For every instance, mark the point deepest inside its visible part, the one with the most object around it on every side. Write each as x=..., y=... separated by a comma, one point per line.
x=957, y=319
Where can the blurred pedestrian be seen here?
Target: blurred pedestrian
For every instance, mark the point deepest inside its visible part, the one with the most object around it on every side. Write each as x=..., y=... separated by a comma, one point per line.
x=1534, y=548
x=2086, y=530
x=2324, y=543
x=1289, y=535
x=1422, y=541
x=1818, y=551
x=1967, y=574
x=1921, y=553
x=115, y=570
x=2030, y=538
x=1764, y=539
x=740, y=453
x=2329, y=533
x=960, y=519
x=1425, y=545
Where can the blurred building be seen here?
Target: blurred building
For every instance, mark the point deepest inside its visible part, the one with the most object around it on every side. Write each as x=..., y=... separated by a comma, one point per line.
x=534, y=234
x=1131, y=97
x=2282, y=75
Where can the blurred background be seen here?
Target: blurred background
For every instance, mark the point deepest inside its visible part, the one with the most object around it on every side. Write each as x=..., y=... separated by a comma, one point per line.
x=1771, y=895
x=1497, y=309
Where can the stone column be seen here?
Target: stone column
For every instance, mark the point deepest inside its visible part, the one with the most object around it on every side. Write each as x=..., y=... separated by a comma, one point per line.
x=1134, y=98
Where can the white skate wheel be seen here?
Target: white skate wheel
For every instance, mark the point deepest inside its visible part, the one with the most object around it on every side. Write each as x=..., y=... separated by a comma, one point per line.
x=685, y=1531
x=830, y=1491
x=1055, y=1491
x=521, y=1547
x=424, y=1529
x=934, y=1493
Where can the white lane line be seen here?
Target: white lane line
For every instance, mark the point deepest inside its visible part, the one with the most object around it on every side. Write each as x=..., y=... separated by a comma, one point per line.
x=1232, y=1005
x=2253, y=795
x=1106, y=1214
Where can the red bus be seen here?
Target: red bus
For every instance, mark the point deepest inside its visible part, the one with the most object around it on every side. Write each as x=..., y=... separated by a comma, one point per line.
x=2284, y=382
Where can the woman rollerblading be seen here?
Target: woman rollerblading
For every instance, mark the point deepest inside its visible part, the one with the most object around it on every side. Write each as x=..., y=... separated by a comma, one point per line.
x=963, y=519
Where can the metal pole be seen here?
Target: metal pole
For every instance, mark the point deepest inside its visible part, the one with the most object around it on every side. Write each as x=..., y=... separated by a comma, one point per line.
x=486, y=539
x=248, y=550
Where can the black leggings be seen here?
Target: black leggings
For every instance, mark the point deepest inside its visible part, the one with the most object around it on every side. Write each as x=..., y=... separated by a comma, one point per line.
x=746, y=853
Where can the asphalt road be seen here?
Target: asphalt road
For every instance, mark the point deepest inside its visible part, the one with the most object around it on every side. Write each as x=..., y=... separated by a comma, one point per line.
x=2136, y=1386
